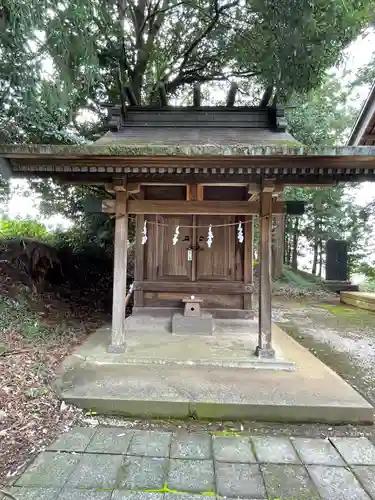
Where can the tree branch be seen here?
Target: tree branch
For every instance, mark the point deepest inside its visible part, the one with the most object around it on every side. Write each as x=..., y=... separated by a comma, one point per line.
x=207, y=31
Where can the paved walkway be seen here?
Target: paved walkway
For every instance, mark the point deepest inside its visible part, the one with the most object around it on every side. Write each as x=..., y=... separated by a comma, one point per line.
x=119, y=464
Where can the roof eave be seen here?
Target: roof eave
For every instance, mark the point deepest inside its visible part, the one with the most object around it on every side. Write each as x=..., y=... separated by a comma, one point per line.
x=363, y=120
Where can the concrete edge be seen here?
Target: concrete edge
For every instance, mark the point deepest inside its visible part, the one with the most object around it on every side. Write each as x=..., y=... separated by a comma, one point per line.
x=263, y=364
x=224, y=411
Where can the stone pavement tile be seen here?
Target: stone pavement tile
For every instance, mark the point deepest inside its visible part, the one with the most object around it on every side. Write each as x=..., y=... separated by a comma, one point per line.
x=50, y=469
x=317, y=451
x=32, y=493
x=138, y=495
x=177, y=496
x=366, y=476
x=239, y=480
x=95, y=471
x=336, y=483
x=196, y=476
x=288, y=481
x=189, y=445
x=355, y=451
x=232, y=449
x=143, y=473
x=110, y=440
x=76, y=439
x=150, y=444
x=277, y=450
x=76, y=494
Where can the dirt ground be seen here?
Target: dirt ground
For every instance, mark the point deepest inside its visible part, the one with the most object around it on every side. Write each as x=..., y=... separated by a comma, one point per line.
x=34, y=341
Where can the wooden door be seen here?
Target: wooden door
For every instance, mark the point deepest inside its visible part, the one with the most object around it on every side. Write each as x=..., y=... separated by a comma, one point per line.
x=218, y=262
x=172, y=262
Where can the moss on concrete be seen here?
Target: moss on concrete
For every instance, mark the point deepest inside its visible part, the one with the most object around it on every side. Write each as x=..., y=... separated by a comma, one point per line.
x=125, y=148
x=348, y=317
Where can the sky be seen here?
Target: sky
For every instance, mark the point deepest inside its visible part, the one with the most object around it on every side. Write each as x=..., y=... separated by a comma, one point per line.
x=356, y=56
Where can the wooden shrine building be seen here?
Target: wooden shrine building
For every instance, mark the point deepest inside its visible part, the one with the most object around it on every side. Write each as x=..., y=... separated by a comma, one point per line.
x=184, y=173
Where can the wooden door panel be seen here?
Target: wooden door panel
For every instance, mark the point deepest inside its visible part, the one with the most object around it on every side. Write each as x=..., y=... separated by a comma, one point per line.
x=172, y=260
x=218, y=262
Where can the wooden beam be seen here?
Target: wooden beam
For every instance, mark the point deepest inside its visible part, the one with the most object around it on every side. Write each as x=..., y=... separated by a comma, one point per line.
x=121, y=185
x=264, y=348
x=197, y=95
x=166, y=207
x=211, y=287
x=268, y=186
x=231, y=98
x=119, y=274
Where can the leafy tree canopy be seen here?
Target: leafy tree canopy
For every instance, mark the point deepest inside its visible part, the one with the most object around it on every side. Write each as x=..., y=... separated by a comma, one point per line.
x=91, y=49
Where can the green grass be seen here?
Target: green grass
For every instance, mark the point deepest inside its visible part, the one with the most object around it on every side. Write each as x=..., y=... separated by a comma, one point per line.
x=298, y=279
x=17, y=314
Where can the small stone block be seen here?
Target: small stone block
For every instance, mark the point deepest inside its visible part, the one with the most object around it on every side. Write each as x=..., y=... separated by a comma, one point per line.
x=96, y=471
x=317, y=451
x=192, y=307
x=150, y=444
x=239, y=480
x=232, y=449
x=110, y=440
x=143, y=473
x=288, y=481
x=192, y=325
x=76, y=440
x=32, y=493
x=274, y=450
x=75, y=494
x=137, y=495
x=191, y=475
x=355, y=451
x=50, y=469
x=336, y=483
x=193, y=446
x=366, y=476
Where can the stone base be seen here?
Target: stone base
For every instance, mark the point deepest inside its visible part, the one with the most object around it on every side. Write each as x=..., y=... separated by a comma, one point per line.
x=116, y=349
x=264, y=353
x=192, y=325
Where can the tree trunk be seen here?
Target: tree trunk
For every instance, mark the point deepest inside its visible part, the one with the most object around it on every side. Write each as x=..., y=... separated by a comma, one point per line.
x=320, y=258
x=316, y=246
x=287, y=252
x=295, y=244
x=278, y=246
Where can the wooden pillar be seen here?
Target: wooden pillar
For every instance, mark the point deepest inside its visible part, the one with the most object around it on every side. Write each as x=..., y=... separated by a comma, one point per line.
x=119, y=273
x=264, y=348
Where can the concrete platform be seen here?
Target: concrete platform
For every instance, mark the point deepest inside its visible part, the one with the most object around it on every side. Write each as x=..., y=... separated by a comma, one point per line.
x=149, y=341
x=94, y=379
x=363, y=300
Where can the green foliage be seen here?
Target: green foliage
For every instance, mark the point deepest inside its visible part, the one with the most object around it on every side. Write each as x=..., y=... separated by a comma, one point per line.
x=323, y=116
x=24, y=228
x=17, y=315
x=93, y=47
x=297, y=279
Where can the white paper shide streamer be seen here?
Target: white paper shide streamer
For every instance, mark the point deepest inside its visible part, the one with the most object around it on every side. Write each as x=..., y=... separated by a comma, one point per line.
x=210, y=236
x=240, y=232
x=144, y=233
x=176, y=235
